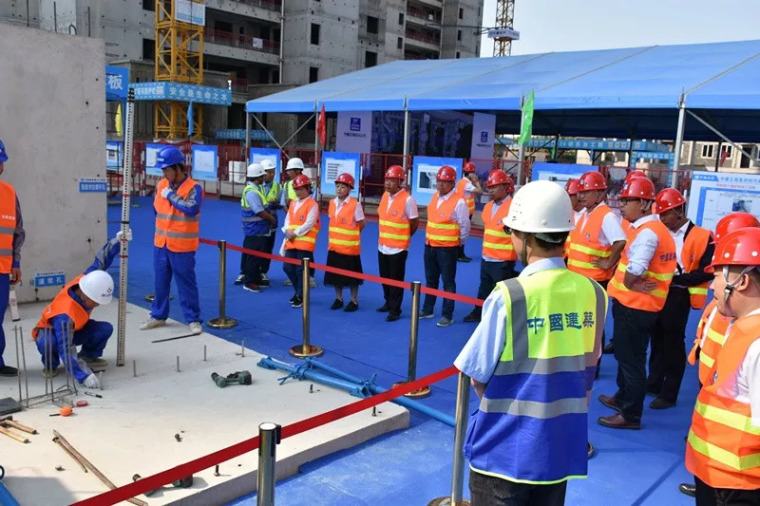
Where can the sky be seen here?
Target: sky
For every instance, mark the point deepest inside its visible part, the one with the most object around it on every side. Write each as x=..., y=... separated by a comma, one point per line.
x=569, y=25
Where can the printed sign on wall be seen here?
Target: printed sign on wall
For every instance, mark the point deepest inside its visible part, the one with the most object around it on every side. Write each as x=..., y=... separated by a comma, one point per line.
x=424, y=172
x=334, y=164
x=714, y=195
x=205, y=163
x=257, y=155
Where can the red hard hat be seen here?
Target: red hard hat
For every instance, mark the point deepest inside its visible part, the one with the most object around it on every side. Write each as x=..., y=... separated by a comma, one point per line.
x=469, y=167
x=668, y=199
x=741, y=247
x=638, y=188
x=447, y=173
x=301, y=180
x=734, y=221
x=345, y=179
x=572, y=186
x=497, y=177
x=591, y=180
x=395, y=172
x=633, y=174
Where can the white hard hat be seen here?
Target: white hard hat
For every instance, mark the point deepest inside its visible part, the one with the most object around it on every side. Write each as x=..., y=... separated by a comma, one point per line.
x=540, y=206
x=295, y=163
x=268, y=164
x=98, y=286
x=254, y=170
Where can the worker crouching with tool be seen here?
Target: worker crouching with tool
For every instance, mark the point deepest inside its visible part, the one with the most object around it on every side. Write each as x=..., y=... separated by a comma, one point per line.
x=71, y=308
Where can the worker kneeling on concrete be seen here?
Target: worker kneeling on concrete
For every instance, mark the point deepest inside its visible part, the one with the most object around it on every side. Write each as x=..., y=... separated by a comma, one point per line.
x=71, y=308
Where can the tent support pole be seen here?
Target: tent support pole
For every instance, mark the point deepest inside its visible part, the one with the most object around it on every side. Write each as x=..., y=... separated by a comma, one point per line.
x=521, y=147
x=318, y=193
x=679, y=141
x=719, y=134
x=406, y=137
x=253, y=115
x=718, y=155
x=555, y=154
x=247, y=136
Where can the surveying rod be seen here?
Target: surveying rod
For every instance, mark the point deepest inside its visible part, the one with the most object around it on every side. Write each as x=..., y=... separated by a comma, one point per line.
x=125, y=198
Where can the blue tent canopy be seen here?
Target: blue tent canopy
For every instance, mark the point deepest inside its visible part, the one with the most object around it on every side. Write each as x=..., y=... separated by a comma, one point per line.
x=633, y=92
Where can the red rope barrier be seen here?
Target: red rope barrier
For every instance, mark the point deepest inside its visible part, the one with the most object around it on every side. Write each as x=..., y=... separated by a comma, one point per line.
x=189, y=468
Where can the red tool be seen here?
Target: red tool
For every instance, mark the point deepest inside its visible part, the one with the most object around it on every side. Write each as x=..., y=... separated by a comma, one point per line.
x=81, y=404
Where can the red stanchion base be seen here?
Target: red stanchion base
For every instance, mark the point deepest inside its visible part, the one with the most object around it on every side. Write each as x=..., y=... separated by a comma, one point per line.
x=299, y=351
x=415, y=394
x=446, y=501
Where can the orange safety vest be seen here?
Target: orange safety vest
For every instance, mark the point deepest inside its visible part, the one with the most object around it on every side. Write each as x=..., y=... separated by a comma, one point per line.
x=694, y=247
x=343, y=234
x=394, y=228
x=308, y=241
x=711, y=334
x=470, y=201
x=723, y=448
x=63, y=303
x=174, y=229
x=7, y=226
x=497, y=243
x=585, y=246
x=627, y=228
x=442, y=228
x=661, y=269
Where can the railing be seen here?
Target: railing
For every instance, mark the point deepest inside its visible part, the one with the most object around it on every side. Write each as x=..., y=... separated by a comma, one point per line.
x=239, y=85
x=242, y=41
x=429, y=16
x=429, y=39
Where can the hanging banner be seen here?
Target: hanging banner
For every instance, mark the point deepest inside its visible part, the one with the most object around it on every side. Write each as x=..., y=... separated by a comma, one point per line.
x=714, y=195
x=334, y=164
x=257, y=155
x=424, y=172
x=354, y=132
x=205, y=163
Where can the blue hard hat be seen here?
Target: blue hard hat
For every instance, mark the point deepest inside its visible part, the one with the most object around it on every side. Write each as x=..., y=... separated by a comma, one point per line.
x=3, y=152
x=168, y=156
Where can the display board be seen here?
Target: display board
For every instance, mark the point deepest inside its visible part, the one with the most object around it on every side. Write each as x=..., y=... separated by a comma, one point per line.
x=257, y=155
x=424, y=171
x=205, y=163
x=114, y=155
x=559, y=172
x=334, y=164
x=714, y=195
x=151, y=151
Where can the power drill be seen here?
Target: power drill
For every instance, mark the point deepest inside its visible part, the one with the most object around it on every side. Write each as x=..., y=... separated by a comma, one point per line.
x=242, y=377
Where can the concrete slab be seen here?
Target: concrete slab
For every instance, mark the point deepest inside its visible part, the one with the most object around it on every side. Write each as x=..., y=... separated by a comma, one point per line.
x=132, y=428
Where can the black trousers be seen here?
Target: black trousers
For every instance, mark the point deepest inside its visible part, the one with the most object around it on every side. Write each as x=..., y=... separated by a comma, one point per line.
x=265, y=262
x=709, y=496
x=440, y=264
x=667, y=362
x=490, y=274
x=393, y=267
x=490, y=491
x=253, y=264
x=632, y=330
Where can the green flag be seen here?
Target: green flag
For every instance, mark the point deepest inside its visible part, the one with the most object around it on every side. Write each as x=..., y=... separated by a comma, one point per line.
x=526, y=129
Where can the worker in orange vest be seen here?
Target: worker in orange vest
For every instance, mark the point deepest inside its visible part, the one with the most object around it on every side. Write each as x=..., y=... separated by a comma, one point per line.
x=723, y=446
x=398, y=221
x=12, y=237
x=639, y=289
x=571, y=187
x=178, y=211
x=688, y=290
x=301, y=229
x=448, y=226
x=627, y=228
x=499, y=256
x=344, y=242
x=467, y=188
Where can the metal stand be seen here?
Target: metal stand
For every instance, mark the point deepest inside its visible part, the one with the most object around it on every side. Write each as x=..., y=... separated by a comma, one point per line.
x=269, y=438
x=222, y=322
x=306, y=349
x=413, y=333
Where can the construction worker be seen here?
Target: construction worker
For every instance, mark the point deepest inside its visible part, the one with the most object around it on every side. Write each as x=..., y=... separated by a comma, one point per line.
x=639, y=289
x=531, y=361
x=571, y=187
x=724, y=439
x=293, y=169
x=499, y=256
x=448, y=226
x=272, y=190
x=467, y=188
x=12, y=238
x=178, y=206
x=625, y=224
x=344, y=242
x=70, y=312
x=711, y=330
x=257, y=225
x=688, y=290
x=398, y=221
x=301, y=229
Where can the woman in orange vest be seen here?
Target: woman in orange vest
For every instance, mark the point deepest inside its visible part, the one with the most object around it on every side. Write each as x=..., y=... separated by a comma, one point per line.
x=344, y=242
x=723, y=447
x=301, y=228
x=467, y=188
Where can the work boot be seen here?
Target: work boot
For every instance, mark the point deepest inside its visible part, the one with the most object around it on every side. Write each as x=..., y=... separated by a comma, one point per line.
x=240, y=279
x=48, y=373
x=94, y=362
x=196, y=328
x=8, y=371
x=152, y=323
x=474, y=316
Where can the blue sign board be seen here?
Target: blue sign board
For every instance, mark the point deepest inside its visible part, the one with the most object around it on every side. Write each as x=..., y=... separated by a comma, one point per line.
x=593, y=144
x=117, y=82
x=93, y=185
x=205, y=163
x=239, y=134
x=43, y=279
x=178, y=92
x=258, y=154
x=424, y=172
x=334, y=164
x=114, y=154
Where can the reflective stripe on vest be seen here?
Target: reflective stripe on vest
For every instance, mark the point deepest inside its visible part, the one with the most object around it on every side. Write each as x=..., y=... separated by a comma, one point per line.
x=584, y=246
x=710, y=336
x=7, y=226
x=442, y=229
x=245, y=209
x=469, y=200
x=63, y=303
x=394, y=228
x=661, y=269
x=343, y=233
x=496, y=242
x=308, y=241
x=534, y=408
x=175, y=230
x=694, y=247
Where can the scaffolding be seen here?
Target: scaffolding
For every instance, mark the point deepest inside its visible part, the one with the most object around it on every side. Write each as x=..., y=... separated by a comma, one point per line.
x=505, y=18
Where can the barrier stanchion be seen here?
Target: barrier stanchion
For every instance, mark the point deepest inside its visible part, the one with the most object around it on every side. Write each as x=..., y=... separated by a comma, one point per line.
x=413, y=334
x=306, y=349
x=222, y=322
x=269, y=436
x=457, y=474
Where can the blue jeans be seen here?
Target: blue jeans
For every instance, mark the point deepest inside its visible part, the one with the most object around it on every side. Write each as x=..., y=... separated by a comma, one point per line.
x=182, y=266
x=295, y=272
x=5, y=286
x=440, y=263
x=93, y=338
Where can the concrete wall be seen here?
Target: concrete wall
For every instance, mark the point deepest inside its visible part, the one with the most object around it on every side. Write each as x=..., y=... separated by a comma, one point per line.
x=52, y=98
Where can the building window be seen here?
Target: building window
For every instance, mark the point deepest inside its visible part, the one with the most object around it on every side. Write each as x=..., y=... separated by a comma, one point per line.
x=461, y=13
x=458, y=54
x=400, y=43
x=149, y=5
x=370, y=59
x=401, y=18
x=707, y=150
x=372, y=24
x=459, y=35
x=313, y=74
x=149, y=49
x=727, y=150
x=315, y=34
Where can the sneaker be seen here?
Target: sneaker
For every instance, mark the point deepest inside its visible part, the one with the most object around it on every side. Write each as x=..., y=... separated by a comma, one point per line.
x=264, y=283
x=264, y=277
x=152, y=323
x=589, y=450
x=351, y=307
x=425, y=316
x=392, y=317
x=312, y=282
x=47, y=373
x=297, y=302
x=292, y=299
x=287, y=282
x=8, y=371
x=464, y=259
x=337, y=304
x=240, y=279
x=196, y=328
x=251, y=287
x=94, y=361
x=444, y=322
x=384, y=308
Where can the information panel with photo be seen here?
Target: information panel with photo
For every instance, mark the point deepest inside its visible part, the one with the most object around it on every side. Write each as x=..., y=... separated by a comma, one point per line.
x=424, y=172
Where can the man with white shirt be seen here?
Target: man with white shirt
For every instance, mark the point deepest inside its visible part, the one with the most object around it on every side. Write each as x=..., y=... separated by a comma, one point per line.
x=448, y=226
x=724, y=439
x=398, y=221
x=694, y=251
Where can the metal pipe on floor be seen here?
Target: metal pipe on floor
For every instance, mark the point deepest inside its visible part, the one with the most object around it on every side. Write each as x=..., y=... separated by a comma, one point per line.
x=302, y=372
x=306, y=349
x=269, y=438
x=222, y=322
